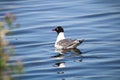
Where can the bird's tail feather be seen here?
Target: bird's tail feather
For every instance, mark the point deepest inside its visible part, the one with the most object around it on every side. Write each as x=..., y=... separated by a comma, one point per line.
x=80, y=41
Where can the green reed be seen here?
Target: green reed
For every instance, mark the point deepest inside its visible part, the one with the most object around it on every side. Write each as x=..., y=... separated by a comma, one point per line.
x=7, y=50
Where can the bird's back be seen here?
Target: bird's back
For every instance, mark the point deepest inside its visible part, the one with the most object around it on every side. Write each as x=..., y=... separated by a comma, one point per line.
x=68, y=43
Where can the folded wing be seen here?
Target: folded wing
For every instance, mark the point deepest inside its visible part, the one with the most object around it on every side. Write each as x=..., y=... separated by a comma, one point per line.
x=68, y=43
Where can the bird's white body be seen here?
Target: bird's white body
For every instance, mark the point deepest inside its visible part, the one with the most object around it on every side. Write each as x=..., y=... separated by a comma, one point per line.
x=60, y=36
x=62, y=42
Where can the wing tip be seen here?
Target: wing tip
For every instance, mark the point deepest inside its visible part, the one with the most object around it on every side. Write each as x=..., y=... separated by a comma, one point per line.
x=80, y=41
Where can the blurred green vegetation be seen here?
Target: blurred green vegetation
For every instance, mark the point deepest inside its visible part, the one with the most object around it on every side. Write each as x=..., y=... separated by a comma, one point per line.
x=14, y=67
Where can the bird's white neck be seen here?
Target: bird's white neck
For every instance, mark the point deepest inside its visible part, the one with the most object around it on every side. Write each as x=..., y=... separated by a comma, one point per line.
x=60, y=36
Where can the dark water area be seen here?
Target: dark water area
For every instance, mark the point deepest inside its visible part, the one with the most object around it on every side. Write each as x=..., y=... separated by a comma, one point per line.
x=95, y=21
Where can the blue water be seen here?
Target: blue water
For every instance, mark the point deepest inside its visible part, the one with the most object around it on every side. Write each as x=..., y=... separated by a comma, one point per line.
x=95, y=21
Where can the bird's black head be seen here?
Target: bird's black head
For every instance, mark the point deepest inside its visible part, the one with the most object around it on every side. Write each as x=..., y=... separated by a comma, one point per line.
x=58, y=29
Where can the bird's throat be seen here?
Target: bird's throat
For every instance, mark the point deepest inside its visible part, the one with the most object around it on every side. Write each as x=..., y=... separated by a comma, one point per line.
x=60, y=36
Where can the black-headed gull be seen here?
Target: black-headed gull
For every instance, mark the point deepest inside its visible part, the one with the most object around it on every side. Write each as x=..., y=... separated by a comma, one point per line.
x=62, y=42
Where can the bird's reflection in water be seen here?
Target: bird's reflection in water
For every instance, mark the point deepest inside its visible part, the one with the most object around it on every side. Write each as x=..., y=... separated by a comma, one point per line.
x=74, y=54
x=60, y=65
x=68, y=53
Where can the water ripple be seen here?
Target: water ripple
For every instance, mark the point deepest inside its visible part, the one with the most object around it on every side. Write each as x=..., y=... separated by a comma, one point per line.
x=97, y=22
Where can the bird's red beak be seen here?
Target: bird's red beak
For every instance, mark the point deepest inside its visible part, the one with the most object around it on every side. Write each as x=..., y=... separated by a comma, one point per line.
x=53, y=30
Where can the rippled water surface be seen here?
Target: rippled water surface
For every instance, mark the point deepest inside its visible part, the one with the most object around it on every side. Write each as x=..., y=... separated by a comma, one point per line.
x=95, y=21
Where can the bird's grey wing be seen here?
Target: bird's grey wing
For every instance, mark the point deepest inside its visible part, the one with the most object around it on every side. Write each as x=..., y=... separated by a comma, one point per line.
x=66, y=42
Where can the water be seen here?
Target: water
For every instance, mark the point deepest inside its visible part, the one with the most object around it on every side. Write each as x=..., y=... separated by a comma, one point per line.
x=95, y=21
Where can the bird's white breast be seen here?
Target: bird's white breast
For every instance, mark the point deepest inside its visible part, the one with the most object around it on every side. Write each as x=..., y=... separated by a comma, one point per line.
x=59, y=37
